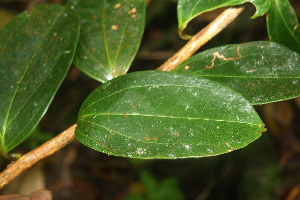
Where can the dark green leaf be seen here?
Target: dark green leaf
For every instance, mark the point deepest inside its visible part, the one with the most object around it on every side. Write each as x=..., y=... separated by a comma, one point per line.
x=36, y=50
x=164, y=115
x=189, y=9
x=283, y=25
x=262, y=72
x=110, y=36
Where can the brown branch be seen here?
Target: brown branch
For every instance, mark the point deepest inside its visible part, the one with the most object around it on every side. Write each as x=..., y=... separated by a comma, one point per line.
x=43, y=151
x=202, y=37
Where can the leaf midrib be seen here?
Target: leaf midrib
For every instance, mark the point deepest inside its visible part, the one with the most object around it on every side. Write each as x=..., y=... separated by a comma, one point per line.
x=164, y=116
x=117, y=132
x=104, y=35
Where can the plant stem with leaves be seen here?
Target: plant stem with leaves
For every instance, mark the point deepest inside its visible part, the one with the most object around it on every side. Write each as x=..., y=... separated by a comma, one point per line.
x=67, y=136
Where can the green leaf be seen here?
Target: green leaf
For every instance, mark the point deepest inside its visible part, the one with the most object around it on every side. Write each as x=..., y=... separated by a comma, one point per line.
x=262, y=72
x=160, y=189
x=156, y=114
x=111, y=33
x=36, y=51
x=283, y=26
x=189, y=9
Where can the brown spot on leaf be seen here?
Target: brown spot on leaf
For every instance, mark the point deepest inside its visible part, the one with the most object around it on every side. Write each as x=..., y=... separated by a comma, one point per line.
x=133, y=107
x=132, y=11
x=115, y=27
x=296, y=26
x=231, y=148
x=147, y=138
x=186, y=67
x=118, y=5
x=133, y=16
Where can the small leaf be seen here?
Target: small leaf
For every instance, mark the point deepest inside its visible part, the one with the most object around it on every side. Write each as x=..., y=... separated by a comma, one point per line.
x=283, y=26
x=189, y=9
x=111, y=32
x=156, y=114
x=36, y=51
x=262, y=72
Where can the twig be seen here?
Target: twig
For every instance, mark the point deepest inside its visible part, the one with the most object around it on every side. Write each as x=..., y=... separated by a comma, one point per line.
x=43, y=151
x=202, y=37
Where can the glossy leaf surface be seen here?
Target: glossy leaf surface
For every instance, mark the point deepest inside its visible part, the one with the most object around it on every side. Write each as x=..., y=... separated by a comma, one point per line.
x=36, y=51
x=283, y=26
x=156, y=114
x=189, y=9
x=111, y=33
x=262, y=72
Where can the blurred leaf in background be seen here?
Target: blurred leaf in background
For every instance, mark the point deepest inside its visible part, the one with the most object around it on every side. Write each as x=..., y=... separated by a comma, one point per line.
x=157, y=190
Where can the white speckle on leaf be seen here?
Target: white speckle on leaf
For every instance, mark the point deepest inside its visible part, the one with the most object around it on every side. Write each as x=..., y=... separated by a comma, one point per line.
x=171, y=156
x=187, y=107
x=295, y=82
x=129, y=154
x=67, y=52
x=109, y=77
x=191, y=132
x=140, y=151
